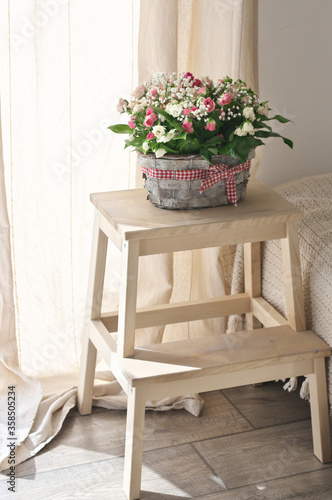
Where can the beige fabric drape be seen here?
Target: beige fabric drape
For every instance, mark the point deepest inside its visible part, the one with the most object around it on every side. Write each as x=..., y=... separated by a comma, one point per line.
x=205, y=37
x=174, y=36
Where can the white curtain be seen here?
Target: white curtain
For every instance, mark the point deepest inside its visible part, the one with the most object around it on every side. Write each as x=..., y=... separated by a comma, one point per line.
x=64, y=64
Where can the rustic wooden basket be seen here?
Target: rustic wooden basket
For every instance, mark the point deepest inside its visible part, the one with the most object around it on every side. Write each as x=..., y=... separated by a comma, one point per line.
x=185, y=194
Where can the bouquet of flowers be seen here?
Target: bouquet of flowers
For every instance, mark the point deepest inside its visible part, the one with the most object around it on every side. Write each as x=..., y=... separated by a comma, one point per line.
x=181, y=114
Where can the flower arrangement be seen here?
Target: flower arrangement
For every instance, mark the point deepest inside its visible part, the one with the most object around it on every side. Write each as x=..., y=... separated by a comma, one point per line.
x=181, y=114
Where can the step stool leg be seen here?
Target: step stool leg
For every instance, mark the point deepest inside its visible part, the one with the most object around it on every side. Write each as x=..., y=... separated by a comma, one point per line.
x=252, y=278
x=320, y=411
x=293, y=278
x=134, y=443
x=94, y=299
x=87, y=375
x=128, y=298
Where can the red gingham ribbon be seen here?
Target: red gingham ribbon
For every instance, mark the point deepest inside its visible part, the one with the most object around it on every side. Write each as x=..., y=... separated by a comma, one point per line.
x=210, y=177
x=179, y=175
x=219, y=172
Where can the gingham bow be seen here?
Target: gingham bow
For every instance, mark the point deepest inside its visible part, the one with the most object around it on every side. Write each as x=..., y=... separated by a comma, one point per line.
x=219, y=172
x=215, y=174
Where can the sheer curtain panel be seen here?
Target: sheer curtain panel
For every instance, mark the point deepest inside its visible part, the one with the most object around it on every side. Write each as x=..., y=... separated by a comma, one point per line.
x=64, y=65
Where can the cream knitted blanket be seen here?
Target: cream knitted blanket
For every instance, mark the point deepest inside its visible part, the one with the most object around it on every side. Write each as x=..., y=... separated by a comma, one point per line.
x=313, y=195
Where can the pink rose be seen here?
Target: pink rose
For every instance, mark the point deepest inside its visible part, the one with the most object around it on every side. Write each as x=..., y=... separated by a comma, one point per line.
x=154, y=92
x=194, y=108
x=149, y=121
x=225, y=99
x=209, y=104
x=202, y=90
x=187, y=111
x=139, y=92
x=211, y=125
x=150, y=136
x=131, y=122
x=122, y=105
x=149, y=111
x=188, y=126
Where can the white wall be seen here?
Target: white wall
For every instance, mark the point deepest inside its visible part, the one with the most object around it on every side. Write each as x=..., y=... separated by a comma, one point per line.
x=295, y=75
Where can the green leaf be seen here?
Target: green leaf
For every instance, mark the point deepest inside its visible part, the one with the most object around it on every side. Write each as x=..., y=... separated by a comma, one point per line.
x=214, y=140
x=168, y=149
x=228, y=149
x=280, y=119
x=206, y=154
x=121, y=129
x=136, y=142
x=243, y=145
x=264, y=133
x=183, y=135
x=213, y=150
x=190, y=147
x=259, y=124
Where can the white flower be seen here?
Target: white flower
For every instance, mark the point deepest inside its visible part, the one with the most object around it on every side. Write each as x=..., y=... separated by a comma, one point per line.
x=145, y=146
x=138, y=108
x=172, y=133
x=160, y=152
x=175, y=110
x=169, y=136
x=245, y=129
x=158, y=131
x=240, y=132
x=249, y=114
x=248, y=127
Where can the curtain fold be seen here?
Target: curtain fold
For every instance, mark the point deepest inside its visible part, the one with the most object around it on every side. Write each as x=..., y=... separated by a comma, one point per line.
x=65, y=69
x=211, y=38
x=13, y=381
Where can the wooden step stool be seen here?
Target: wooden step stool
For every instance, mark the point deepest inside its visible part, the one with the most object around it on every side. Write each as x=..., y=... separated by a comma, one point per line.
x=282, y=349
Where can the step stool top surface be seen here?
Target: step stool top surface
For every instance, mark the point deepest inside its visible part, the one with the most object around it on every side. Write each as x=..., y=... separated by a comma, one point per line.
x=134, y=217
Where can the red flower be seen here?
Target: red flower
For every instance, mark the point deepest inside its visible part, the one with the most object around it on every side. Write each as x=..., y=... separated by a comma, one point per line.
x=189, y=75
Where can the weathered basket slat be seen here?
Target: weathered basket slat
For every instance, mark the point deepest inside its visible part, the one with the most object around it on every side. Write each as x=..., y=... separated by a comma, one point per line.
x=185, y=194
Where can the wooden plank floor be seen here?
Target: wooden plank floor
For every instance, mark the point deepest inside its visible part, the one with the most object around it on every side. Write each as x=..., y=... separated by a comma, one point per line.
x=249, y=443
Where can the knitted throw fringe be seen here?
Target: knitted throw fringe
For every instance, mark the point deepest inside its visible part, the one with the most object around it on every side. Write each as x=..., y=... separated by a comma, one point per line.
x=304, y=392
x=235, y=323
x=291, y=385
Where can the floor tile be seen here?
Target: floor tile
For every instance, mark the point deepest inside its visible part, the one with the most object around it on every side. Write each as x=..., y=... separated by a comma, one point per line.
x=218, y=417
x=309, y=486
x=101, y=435
x=261, y=455
x=268, y=404
x=170, y=473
